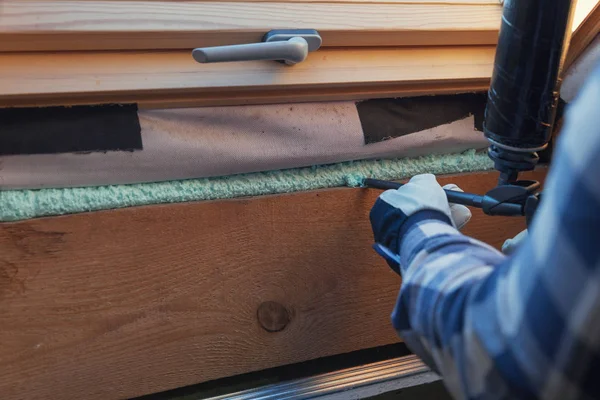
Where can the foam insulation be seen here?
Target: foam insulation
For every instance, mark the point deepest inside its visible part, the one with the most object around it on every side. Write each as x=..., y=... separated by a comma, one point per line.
x=215, y=141
x=23, y=204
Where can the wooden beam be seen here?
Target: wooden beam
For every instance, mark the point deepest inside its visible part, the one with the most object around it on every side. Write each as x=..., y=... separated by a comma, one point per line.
x=160, y=78
x=300, y=95
x=451, y=2
x=127, y=302
x=51, y=25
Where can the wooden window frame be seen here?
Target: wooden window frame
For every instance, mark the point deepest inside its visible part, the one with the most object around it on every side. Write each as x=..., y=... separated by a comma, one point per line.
x=139, y=51
x=90, y=25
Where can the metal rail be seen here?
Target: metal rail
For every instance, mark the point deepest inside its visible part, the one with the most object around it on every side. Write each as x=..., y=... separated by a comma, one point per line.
x=352, y=383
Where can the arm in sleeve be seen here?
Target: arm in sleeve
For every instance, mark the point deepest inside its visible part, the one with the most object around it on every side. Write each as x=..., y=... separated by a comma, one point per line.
x=522, y=326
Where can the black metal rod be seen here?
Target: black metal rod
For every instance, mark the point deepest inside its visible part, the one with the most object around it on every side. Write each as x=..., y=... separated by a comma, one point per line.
x=380, y=184
x=467, y=199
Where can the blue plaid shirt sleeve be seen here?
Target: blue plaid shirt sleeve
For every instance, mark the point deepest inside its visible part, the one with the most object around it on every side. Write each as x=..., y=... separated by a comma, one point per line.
x=525, y=326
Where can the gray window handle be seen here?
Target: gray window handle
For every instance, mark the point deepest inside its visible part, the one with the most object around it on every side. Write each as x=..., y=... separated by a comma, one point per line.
x=290, y=46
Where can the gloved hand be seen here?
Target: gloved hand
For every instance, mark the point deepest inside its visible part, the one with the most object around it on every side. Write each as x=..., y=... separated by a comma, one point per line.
x=511, y=245
x=423, y=198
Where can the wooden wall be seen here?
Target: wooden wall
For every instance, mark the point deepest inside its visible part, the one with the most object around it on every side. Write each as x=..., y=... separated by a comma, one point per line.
x=133, y=301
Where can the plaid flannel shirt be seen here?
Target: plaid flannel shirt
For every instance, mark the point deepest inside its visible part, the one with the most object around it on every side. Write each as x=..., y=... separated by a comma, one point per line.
x=525, y=326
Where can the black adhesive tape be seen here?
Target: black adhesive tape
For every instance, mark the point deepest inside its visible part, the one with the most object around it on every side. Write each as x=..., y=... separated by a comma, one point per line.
x=51, y=130
x=383, y=119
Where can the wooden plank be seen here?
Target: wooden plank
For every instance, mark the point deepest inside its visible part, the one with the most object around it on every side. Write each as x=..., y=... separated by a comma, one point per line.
x=245, y=97
x=159, y=78
x=51, y=25
x=122, y=303
x=452, y=2
x=583, y=36
x=300, y=95
x=124, y=24
x=172, y=79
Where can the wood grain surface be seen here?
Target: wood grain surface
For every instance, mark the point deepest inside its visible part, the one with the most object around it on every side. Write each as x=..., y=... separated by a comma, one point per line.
x=122, y=303
x=452, y=2
x=50, y=25
x=161, y=78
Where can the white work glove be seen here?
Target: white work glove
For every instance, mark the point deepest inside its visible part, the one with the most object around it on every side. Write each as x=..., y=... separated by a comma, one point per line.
x=394, y=207
x=511, y=245
x=459, y=214
x=423, y=192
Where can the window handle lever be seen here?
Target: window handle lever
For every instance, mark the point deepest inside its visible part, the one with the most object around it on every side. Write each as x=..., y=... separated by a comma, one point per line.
x=290, y=46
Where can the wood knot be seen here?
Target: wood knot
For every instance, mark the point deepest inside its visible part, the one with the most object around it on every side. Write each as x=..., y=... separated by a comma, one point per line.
x=272, y=316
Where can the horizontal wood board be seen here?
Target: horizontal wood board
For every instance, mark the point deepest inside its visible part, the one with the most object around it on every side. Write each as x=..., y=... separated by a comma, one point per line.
x=158, y=79
x=453, y=2
x=174, y=78
x=51, y=25
x=127, y=302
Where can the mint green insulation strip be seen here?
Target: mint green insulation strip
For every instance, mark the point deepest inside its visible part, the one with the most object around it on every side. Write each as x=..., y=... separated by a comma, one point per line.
x=23, y=204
